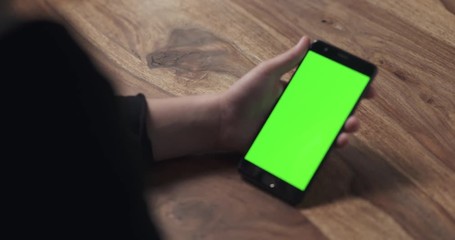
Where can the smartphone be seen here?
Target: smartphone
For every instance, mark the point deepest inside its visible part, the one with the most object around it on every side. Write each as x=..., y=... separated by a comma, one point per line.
x=306, y=120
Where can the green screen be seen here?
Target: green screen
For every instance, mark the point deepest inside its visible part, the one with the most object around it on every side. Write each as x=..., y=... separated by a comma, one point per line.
x=306, y=120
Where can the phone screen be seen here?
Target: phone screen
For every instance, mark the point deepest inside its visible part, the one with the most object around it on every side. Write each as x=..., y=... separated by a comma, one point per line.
x=307, y=119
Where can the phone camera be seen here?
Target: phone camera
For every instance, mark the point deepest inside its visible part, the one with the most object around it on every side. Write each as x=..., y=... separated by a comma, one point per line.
x=326, y=49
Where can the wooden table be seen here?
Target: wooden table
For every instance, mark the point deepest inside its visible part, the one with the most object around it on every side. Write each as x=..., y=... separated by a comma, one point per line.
x=397, y=178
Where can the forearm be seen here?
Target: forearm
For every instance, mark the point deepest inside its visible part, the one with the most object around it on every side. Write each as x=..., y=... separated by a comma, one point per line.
x=183, y=126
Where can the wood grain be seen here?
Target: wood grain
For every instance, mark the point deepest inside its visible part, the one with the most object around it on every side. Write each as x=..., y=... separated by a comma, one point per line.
x=395, y=181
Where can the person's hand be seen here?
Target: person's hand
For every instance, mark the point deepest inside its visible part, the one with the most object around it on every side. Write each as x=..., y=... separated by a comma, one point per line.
x=228, y=121
x=247, y=103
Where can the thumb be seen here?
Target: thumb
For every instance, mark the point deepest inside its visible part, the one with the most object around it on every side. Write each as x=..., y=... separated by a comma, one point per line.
x=284, y=62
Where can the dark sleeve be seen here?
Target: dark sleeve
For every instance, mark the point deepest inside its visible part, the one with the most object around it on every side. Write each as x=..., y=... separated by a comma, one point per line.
x=134, y=111
x=72, y=166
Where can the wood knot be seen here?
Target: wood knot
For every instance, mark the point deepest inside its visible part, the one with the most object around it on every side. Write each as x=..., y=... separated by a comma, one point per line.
x=194, y=52
x=400, y=75
x=191, y=213
x=332, y=23
x=427, y=98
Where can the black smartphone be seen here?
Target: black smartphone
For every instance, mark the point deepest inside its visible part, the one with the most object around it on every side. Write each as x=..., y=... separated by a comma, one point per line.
x=306, y=120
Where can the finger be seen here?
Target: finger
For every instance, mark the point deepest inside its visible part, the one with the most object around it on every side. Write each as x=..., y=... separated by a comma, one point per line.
x=281, y=85
x=284, y=82
x=342, y=140
x=352, y=125
x=370, y=92
x=284, y=62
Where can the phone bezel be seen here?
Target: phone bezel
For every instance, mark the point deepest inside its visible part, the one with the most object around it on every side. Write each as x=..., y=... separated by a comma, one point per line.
x=273, y=184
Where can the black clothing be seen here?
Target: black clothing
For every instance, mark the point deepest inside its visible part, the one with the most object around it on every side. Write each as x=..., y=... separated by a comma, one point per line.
x=74, y=154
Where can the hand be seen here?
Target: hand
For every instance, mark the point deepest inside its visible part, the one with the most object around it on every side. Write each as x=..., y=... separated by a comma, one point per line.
x=247, y=103
x=227, y=122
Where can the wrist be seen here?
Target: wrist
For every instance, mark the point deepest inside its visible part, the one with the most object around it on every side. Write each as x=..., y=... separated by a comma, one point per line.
x=227, y=139
x=221, y=110
x=211, y=108
x=184, y=126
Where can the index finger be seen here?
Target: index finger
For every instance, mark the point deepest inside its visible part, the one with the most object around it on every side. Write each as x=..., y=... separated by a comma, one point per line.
x=370, y=92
